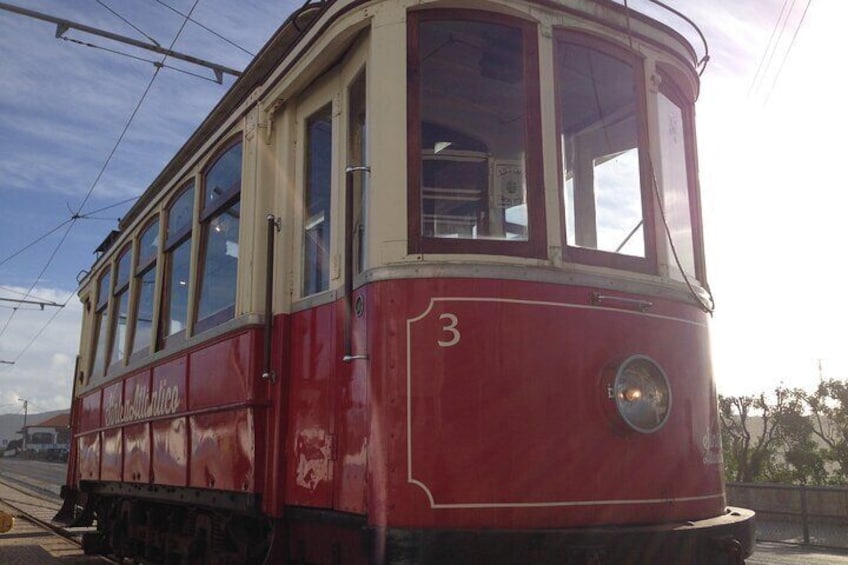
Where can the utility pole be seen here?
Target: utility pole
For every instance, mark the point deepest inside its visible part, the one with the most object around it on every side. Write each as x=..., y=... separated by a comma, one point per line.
x=23, y=430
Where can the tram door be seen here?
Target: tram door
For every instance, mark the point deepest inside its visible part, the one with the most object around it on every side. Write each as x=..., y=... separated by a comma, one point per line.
x=314, y=329
x=327, y=425
x=352, y=423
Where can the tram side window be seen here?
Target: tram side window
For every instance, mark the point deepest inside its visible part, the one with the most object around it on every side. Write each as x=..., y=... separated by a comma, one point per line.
x=219, y=242
x=599, y=105
x=474, y=176
x=120, y=319
x=316, y=202
x=177, y=264
x=673, y=133
x=101, y=324
x=145, y=276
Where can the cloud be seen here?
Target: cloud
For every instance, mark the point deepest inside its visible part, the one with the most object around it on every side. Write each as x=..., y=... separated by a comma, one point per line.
x=62, y=108
x=44, y=364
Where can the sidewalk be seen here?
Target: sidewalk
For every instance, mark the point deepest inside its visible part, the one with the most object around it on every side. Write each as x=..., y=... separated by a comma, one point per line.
x=28, y=544
x=821, y=535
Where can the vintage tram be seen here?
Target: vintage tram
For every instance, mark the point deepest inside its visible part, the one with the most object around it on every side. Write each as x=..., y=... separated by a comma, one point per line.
x=426, y=286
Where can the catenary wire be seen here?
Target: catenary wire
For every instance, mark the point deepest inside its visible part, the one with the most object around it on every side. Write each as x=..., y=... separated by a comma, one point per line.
x=769, y=47
x=110, y=206
x=212, y=31
x=38, y=278
x=36, y=240
x=76, y=215
x=126, y=21
x=788, y=51
x=156, y=64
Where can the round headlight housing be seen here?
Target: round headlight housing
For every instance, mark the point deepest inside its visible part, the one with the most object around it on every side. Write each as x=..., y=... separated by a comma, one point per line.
x=641, y=394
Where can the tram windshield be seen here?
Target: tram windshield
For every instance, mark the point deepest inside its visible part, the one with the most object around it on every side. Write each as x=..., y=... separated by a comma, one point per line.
x=473, y=133
x=597, y=97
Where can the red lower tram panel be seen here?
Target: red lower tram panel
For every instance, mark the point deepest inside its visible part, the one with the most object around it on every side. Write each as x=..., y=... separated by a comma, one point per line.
x=482, y=428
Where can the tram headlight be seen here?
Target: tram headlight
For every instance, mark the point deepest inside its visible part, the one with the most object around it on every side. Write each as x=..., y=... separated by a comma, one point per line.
x=641, y=394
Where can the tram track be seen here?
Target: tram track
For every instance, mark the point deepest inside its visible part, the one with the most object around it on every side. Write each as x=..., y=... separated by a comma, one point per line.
x=35, y=505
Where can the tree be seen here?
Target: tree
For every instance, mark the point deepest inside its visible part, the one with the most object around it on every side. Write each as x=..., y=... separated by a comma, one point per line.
x=802, y=460
x=771, y=438
x=828, y=407
x=748, y=452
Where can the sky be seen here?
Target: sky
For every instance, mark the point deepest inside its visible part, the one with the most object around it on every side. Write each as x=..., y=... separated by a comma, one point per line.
x=768, y=139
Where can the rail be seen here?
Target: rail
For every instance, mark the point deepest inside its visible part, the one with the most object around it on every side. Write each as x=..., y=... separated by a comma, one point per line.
x=800, y=514
x=33, y=504
x=675, y=20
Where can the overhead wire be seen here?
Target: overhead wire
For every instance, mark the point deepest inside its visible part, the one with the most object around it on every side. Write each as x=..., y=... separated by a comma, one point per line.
x=41, y=331
x=769, y=46
x=35, y=241
x=788, y=51
x=156, y=64
x=213, y=32
x=76, y=216
x=38, y=278
x=126, y=21
x=131, y=118
x=110, y=206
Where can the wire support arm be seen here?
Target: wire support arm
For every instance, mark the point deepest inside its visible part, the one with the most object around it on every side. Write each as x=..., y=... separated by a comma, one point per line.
x=41, y=303
x=63, y=25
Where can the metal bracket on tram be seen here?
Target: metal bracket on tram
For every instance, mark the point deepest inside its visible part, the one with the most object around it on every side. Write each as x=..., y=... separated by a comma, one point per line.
x=642, y=305
x=350, y=358
x=357, y=168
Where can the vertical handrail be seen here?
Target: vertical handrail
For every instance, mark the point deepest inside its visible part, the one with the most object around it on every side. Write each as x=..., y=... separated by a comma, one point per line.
x=273, y=226
x=348, y=264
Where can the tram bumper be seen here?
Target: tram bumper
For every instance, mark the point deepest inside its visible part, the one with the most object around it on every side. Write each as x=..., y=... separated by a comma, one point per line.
x=723, y=540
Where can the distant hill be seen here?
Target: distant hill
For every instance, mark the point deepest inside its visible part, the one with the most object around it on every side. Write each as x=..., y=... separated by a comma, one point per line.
x=11, y=424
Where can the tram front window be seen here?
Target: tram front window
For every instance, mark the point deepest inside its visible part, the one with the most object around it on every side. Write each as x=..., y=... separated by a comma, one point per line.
x=474, y=116
x=675, y=183
x=598, y=98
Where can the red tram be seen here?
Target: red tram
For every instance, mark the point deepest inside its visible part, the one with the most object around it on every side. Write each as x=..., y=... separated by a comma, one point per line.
x=427, y=286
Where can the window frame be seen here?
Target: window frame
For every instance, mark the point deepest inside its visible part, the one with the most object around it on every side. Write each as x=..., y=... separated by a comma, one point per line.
x=205, y=213
x=311, y=108
x=142, y=265
x=671, y=89
x=103, y=304
x=535, y=246
x=121, y=285
x=597, y=257
x=171, y=243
